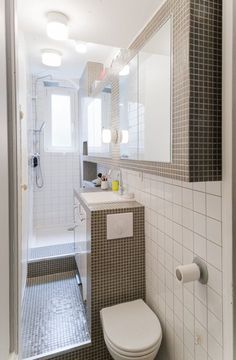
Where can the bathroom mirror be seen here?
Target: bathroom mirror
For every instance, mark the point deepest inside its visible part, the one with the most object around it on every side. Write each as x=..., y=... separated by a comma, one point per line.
x=99, y=123
x=145, y=100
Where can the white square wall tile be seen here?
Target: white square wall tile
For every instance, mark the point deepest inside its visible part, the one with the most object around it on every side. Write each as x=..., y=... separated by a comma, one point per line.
x=201, y=312
x=214, y=207
x=214, y=349
x=177, y=232
x=214, y=231
x=178, y=254
x=201, y=292
x=199, y=202
x=214, y=254
x=215, y=303
x=214, y=187
x=199, y=224
x=189, y=341
x=177, y=214
x=179, y=327
x=177, y=195
x=199, y=186
x=200, y=247
x=189, y=300
x=188, y=218
x=187, y=200
x=215, y=279
x=200, y=353
x=215, y=327
x=188, y=239
x=201, y=332
x=189, y=321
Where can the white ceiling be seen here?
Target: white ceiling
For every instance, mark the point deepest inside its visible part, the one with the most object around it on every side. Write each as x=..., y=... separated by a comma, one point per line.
x=111, y=23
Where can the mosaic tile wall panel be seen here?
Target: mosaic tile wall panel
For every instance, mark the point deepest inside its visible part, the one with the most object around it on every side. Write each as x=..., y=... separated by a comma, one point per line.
x=196, y=122
x=51, y=266
x=117, y=275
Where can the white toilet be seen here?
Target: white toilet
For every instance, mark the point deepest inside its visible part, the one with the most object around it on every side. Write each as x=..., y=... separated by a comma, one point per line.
x=131, y=331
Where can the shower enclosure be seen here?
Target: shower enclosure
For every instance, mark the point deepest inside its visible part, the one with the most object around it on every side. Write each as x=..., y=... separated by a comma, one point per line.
x=54, y=166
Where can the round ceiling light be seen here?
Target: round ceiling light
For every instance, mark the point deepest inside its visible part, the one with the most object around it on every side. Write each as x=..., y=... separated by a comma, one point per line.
x=57, y=26
x=80, y=47
x=51, y=57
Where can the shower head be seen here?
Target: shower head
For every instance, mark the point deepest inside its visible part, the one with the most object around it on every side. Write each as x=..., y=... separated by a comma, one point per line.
x=42, y=126
x=51, y=83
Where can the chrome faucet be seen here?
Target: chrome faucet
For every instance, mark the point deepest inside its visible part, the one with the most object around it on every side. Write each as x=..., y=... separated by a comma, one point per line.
x=119, y=171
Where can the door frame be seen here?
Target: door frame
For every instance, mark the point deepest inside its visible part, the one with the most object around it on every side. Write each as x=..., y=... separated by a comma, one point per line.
x=13, y=168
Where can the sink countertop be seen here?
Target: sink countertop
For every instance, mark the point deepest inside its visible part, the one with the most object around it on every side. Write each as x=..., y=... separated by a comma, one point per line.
x=104, y=206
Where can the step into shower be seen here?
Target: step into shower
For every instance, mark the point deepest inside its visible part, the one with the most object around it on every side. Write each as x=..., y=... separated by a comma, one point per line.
x=53, y=314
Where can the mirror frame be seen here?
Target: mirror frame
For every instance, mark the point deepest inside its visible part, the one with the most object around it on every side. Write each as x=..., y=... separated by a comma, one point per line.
x=197, y=87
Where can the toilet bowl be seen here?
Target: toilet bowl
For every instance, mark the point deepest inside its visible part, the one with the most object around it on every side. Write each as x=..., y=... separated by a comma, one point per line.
x=131, y=331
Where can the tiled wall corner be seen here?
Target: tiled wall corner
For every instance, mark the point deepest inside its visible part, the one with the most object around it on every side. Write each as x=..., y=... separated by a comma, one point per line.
x=182, y=220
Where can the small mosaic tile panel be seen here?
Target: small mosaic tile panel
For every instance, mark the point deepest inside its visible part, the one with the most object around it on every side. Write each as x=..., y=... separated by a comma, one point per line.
x=53, y=316
x=196, y=104
x=117, y=275
x=51, y=266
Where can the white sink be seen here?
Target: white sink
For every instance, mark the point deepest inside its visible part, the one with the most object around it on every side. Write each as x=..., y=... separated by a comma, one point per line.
x=103, y=197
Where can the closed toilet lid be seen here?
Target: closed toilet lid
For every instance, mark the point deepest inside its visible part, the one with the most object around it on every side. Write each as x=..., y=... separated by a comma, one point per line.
x=132, y=326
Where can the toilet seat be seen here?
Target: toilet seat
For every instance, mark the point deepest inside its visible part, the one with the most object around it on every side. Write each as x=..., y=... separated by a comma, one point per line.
x=131, y=330
x=129, y=355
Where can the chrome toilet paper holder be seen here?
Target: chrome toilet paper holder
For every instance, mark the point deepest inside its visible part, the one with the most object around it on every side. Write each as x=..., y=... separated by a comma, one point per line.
x=197, y=270
x=203, y=270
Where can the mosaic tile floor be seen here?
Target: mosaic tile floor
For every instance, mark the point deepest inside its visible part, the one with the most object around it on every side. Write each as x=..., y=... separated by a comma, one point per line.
x=52, y=250
x=53, y=315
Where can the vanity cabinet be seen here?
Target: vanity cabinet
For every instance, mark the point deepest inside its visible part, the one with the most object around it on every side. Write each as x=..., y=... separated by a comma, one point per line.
x=81, y=244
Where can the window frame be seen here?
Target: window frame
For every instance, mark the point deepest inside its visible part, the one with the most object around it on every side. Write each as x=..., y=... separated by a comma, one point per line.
x=48, y=147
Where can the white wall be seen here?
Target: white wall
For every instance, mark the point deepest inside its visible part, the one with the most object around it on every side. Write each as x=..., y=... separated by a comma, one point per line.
x=183, y=220
x=4, y=234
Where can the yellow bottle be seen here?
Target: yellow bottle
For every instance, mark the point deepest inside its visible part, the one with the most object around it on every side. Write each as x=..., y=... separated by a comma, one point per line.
x=115, y=185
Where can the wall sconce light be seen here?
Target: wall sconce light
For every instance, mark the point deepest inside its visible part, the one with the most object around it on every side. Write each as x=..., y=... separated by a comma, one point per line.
x=109, y=136
x=124, y=136
x=125, y=71
x=106, y=136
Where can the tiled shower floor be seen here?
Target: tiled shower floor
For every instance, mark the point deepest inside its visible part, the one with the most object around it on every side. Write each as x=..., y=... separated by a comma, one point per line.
x=53, y=316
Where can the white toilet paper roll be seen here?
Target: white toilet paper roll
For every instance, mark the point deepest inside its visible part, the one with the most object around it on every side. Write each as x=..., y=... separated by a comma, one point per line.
x=187, y=273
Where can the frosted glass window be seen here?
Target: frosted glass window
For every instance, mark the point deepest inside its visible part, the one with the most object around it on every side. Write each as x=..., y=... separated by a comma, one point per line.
x=61, y=120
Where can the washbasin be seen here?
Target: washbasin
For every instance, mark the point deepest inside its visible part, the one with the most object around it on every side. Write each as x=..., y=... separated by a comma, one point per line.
x=104, y=197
